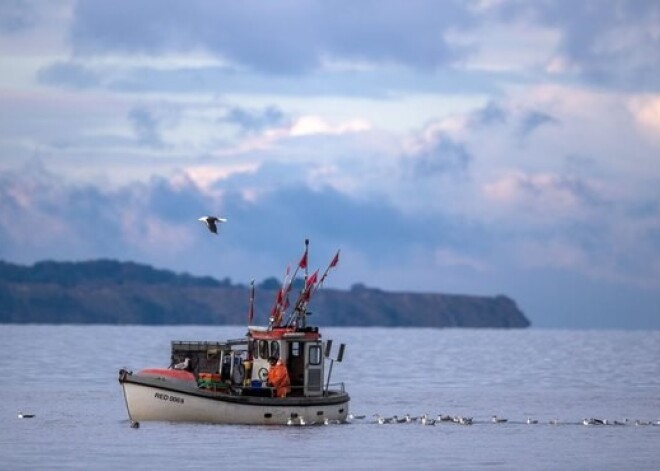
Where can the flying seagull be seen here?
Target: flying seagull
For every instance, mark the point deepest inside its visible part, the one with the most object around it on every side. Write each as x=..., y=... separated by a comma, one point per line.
x=211, y=222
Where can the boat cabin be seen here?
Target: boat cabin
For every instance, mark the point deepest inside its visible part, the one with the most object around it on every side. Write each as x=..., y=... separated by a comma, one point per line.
x=241, y=366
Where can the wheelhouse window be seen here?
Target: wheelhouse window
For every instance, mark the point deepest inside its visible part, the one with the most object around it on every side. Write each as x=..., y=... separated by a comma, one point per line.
x=295, y=349
x=275, y=349
x=315, y=355
x=263, y=348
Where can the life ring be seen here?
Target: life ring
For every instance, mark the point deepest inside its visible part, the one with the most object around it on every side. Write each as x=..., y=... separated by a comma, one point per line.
x=262, y=374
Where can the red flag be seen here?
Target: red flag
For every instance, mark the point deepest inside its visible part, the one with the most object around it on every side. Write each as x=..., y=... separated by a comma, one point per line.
x=311, y=281
x=334, y=261
x=309, y=286
x=303, y=261
x=274, y=312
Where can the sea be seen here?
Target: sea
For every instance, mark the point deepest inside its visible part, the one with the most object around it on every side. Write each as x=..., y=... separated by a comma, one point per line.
x=66, y=376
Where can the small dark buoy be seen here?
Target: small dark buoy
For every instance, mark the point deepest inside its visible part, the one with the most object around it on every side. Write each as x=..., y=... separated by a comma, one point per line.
x=135, y=424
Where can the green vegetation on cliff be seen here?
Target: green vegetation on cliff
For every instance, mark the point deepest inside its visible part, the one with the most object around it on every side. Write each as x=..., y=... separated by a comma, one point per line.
x=111, y=292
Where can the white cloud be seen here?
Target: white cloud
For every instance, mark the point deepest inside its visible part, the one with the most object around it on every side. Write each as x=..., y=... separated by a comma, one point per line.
x=308, y=125
x=646, y=111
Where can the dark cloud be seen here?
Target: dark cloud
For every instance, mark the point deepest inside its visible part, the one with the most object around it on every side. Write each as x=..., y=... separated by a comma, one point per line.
x=277, y=37
x=532, y=120
x=174, y=203
x=146, y=127
x=16, y=16
x=489, y=115
x=255, y=121
x=108, y=223
x=609, y=43
x=378, y=83
x=443, y=156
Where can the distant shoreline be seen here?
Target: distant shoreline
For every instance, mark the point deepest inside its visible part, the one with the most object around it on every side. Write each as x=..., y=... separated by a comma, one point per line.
x=107, y=292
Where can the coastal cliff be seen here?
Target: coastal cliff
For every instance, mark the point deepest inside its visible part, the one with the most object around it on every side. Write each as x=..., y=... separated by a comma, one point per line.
x=111, y=292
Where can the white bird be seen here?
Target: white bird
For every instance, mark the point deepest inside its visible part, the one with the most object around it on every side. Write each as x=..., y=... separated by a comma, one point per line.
x=22, y=415
x=426, y=421
x=302, y=420
x=593, y=421
x=532, y=421
x=211, y=222
x=465, y=420
x=383, y=420
x=499, y=420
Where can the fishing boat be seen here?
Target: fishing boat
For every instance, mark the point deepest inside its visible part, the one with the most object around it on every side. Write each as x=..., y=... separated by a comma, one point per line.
x=226, y=382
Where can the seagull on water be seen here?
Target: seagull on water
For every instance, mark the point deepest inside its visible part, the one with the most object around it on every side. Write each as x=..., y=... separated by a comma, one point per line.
x=465, y=420
x=212, y=222
x=22, y=415
x=383, y=420
x=409, y=419
x=593, y=421
x=426, y=421
x=499, y=420
x=532, y=421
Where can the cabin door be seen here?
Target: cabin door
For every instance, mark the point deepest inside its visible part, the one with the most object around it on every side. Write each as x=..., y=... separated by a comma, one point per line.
x=313, y=369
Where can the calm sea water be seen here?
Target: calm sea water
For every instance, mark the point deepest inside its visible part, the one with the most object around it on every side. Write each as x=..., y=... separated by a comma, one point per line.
x=67, y=376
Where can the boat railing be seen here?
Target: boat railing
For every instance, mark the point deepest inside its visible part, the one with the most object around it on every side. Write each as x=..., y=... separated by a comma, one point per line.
x=268, y=391
x=334, y=387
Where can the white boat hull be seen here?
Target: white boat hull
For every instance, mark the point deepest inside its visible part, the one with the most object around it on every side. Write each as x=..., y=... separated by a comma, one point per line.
x=146, y=401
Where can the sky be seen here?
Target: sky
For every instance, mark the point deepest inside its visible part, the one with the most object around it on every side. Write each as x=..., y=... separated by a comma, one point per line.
x=479, y=147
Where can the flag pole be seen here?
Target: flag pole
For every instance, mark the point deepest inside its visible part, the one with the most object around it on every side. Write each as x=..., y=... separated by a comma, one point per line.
x=279, y=308
x=251, y=304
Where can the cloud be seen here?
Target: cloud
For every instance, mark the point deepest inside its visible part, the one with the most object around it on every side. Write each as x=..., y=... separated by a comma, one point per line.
x=615, y=45
x=16, y=16
x=545, y=195
x=145, y=127
x=491, y=114
x=69, y=75
x=283, y=38
x=442, y=155
x=255, y=121
x=142, y=219
x=533, y=120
